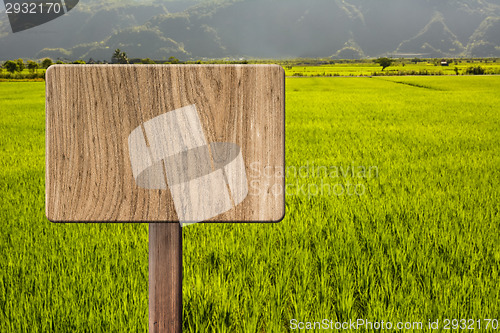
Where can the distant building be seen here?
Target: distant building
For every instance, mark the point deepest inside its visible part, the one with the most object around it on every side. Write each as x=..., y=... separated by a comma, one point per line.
x=444, y=62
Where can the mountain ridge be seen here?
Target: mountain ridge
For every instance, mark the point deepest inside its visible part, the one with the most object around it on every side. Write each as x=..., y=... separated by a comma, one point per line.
x=263, y=29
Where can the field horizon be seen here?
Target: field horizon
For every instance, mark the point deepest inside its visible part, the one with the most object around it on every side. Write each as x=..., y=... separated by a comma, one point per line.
x=317, y=67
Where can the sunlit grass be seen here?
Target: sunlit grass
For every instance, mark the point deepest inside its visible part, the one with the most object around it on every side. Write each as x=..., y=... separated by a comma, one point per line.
x=422, y=241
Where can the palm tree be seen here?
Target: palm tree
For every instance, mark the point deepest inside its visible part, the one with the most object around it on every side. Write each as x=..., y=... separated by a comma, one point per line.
x=119, y=57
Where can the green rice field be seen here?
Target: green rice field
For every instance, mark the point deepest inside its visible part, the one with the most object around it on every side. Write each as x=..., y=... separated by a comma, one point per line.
x=392, y=213
x=397, y=68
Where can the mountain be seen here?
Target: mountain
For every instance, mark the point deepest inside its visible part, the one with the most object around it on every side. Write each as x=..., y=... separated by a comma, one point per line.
x=434, y=40
x=263, y=29
x=485, y=42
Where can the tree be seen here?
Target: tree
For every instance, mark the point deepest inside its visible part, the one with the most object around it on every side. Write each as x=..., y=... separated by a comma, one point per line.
x=384, y=62
x=20, y=65
x=79, y=62
x=10, y=66
x=147, y=61
x=32, y=66
x=119, y=57
x=172, y=60
x=475, y=70
x=46, y=63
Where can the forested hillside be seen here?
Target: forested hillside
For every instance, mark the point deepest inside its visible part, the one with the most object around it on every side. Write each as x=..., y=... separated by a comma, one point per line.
x=263, y=28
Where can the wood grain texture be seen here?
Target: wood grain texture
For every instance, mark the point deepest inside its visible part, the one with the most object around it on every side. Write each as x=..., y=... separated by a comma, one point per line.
x=165, y=277
x=92, y=109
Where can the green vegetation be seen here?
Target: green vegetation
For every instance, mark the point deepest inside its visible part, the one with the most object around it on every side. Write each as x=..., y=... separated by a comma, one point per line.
x=421, y=242
x=20, y=65
x=64, y=278
x=32, y=66
x=384, y=62
x=148, y=61
x=46, y=63
x=475, y=70
x=119, y=57
x=36, y=74
x=10, y=66
x=400, y=67
x=293, y=67
x=173, y=60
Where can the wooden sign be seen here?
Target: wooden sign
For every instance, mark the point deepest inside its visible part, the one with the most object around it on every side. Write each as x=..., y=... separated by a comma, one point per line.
x=158, y=143
x=165, y=143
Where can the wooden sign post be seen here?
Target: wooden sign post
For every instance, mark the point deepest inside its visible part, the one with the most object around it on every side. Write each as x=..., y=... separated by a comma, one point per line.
x=165, y=277
x=168, y=145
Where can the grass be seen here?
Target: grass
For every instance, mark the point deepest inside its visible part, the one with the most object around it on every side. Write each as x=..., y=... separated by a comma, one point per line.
x=398, y=68
x=421, y=243
x=58, y=277
x=37, y=74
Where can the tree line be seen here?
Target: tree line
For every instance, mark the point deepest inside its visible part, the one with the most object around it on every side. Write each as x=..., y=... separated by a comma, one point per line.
x=15, y=68
x=119, y=57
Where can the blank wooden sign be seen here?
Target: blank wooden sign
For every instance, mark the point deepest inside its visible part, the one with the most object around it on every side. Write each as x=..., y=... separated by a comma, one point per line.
x=154, y=143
